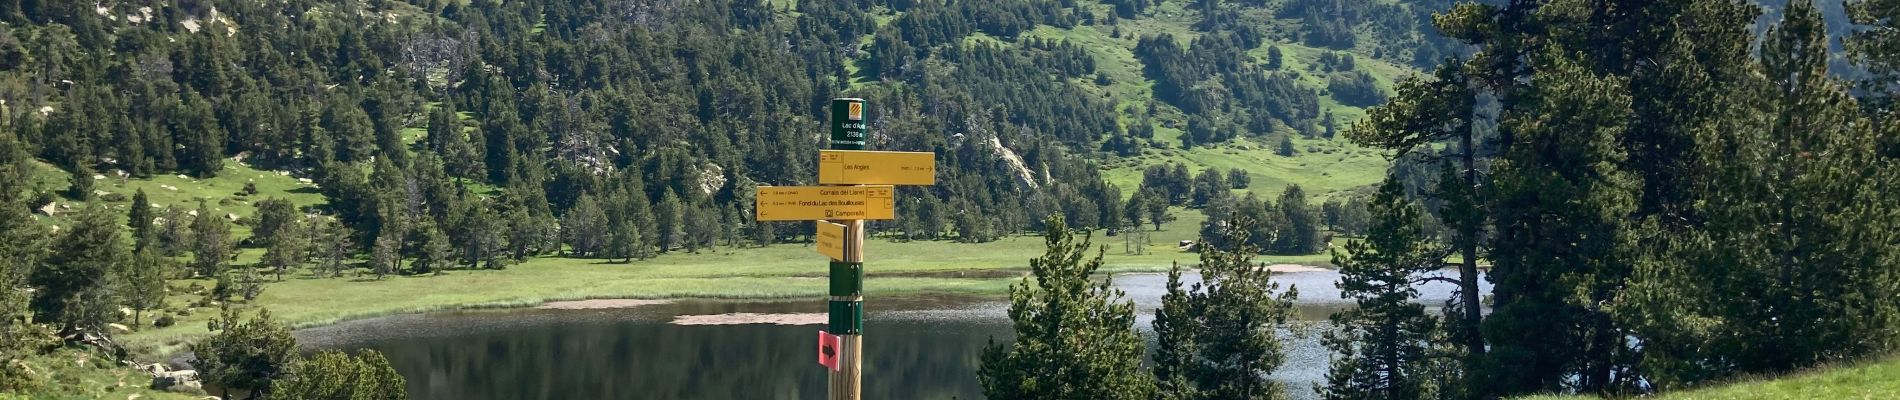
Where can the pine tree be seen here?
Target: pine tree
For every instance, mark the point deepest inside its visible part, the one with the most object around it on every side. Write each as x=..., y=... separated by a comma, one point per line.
x=244, y=355
x=337, y=375
x=436, y=253
x=1791, y=227
x=670, y=218
x=385, y=257
x=1209, y=184
x=333, y=245
x=274, y=215
x=1877, y=47
x=79, y=183
x=1177, y=331
x=211, y=246
x=22, y=248
x=1075, y=336
x=1220, y=332
x=1300, y=234
x=71, y=289
x=287, y=247
x=141, y=283
x=585, y=227
x=140, y=221
x=173, y=235
x=1382, y=343
x=1561, y=246
x=201, y=141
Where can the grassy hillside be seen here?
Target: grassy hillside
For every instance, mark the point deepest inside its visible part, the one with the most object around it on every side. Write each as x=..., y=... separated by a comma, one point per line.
x=1868, y=380
x=1321, y=166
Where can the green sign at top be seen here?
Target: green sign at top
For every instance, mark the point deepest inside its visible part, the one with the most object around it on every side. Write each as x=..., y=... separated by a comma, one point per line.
x=847, y=124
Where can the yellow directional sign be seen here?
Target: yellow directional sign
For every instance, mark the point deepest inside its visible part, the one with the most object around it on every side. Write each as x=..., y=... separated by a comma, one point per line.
x=831, y=240
x=811, y=203
x=853, y=167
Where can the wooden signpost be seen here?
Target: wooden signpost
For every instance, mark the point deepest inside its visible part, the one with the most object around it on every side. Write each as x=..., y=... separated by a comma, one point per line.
x=860, y=190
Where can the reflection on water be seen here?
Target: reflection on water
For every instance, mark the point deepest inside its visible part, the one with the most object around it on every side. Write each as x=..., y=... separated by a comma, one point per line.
x=916, y=348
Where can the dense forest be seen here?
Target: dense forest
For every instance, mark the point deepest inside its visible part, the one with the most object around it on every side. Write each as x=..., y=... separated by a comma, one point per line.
x=1664, y=195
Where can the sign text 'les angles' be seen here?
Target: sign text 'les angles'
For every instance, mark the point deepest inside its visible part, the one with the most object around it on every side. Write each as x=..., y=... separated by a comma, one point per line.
x=810, y=203
x=850, y=167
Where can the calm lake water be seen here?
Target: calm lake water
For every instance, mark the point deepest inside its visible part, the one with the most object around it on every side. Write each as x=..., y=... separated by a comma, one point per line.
x=915, y=348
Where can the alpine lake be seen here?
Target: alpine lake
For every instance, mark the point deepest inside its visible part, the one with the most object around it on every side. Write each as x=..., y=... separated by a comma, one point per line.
x=915, y=347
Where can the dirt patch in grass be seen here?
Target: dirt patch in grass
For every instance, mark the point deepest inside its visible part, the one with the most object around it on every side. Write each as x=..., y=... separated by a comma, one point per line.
x=1293, y=268
x=600, y=304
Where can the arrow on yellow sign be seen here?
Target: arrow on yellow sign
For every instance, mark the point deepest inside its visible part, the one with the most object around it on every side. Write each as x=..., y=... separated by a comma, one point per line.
x=852, y=167
x=811, y=203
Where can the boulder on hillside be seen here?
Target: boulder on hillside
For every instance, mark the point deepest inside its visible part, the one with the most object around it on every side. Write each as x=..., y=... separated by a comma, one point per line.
x=180, y=381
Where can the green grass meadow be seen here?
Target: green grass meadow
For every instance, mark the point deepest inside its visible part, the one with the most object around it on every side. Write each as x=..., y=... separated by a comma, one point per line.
x=1869, y=380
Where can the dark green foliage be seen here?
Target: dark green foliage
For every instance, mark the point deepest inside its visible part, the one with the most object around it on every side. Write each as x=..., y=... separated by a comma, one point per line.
x=1355, y=88
x=211, y=244
x=1209, y=77
x=274, y=215
x=1170, y=183
x=1793, y=230
x=585, y=227
x=385, y=256
x=434, y=253
x=1878, y=47
x=79, y=183
x=201, y=141
x=670, y=216
x=1426, y=111
x=21, y=250
x=71, y=290
x=1239, y=178
x=139, y=219
x=173, y=232
x=1382, y=344
x=248, y=356
x=1207, y=186
x=549, y=99
x=1075, y=336
x=140, y=282
x=1561, y=207
x=1216, y=338
x=334, y=375
x=332, y=246
x=1347, y=216
x=288, y=246
x=1300, y=234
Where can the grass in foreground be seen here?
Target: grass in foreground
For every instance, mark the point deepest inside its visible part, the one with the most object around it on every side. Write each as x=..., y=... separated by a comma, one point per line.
x=75, y=374
x=1868, y=380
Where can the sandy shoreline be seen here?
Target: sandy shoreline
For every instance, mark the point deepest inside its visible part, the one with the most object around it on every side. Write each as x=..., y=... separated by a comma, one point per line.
x=600, y=304
x=1294, y=268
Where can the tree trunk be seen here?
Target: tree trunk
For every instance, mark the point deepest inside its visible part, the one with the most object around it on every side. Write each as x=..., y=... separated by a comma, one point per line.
x=1468, y=247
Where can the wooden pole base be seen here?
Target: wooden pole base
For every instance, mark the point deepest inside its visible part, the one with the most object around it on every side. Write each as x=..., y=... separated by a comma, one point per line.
x=847, y=380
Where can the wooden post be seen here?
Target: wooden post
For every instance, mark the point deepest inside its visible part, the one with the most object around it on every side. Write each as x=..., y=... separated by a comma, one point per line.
x=847, y=275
